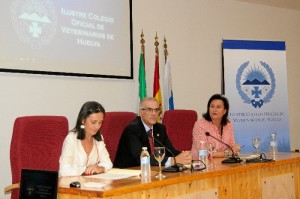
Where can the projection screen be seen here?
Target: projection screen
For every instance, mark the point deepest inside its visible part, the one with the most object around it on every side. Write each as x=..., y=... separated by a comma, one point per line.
x=91, y=38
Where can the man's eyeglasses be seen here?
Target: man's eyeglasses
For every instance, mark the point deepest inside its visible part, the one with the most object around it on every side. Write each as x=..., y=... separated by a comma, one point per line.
x=151, y=110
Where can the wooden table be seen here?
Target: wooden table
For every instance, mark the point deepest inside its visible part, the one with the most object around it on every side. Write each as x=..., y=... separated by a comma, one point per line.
x=250, y=180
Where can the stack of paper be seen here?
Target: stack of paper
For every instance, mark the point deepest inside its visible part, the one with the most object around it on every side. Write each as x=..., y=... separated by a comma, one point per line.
x=116, y=174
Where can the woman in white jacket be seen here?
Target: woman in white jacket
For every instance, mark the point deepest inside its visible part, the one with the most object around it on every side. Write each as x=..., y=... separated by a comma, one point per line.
x=83, y=150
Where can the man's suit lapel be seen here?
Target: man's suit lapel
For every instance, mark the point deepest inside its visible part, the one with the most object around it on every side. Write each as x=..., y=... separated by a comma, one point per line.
x=157, y=134
x=142, y=133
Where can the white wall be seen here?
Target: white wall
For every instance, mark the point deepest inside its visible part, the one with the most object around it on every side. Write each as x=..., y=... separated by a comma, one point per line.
x=194, y=30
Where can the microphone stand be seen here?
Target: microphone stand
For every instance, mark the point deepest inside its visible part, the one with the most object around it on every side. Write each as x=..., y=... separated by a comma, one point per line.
x=176, y=167
x=231, y=160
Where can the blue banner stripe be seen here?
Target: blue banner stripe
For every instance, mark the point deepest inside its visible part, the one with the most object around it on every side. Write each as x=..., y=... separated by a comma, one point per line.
x=253, y=45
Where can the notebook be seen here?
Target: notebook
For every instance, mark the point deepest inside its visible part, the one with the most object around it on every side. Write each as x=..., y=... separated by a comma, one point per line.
x=38, y=184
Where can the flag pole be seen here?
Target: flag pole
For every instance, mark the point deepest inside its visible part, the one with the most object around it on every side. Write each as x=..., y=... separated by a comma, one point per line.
x=156, y=84
x=156, y=44
x=166, y=49
x=167, y=92
x=142, y=71
x=143, y=46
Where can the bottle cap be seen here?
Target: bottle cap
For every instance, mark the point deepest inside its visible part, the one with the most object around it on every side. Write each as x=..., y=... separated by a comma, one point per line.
x=273, y=134
x=144, y=148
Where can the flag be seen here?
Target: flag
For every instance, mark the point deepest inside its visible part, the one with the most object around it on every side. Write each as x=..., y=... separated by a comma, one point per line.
x=156, y=85
x=142, y=79
x=168, y=92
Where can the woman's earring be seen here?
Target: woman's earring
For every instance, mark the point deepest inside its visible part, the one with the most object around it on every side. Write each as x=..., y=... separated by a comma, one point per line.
x=82, y=126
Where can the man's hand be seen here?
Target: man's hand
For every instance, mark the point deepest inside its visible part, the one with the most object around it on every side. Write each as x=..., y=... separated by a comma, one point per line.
x=185, y=157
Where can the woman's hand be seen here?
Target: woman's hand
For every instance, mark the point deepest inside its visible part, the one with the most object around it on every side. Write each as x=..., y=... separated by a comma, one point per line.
x=94, y=169
x=236, y=148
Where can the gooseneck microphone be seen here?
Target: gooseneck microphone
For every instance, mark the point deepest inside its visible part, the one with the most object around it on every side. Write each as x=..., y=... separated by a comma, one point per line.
x=231, y=160
x=177, y=167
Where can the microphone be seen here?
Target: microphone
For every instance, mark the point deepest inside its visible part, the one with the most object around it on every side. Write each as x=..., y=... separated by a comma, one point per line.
x=177, y=167
x=230, y=160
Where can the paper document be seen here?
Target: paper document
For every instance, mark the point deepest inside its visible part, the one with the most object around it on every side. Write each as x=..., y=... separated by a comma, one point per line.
x=116, y=174
x=93, y=185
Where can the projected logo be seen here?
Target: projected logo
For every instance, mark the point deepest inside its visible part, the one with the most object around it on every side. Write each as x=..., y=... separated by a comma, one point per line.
x=34, y=21
x=255, y=83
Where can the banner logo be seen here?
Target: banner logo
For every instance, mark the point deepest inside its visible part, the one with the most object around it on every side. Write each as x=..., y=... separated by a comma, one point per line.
x=255, y=83
x=34, y=21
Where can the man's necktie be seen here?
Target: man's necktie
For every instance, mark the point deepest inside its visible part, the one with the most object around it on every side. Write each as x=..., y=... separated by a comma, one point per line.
x=151, y=141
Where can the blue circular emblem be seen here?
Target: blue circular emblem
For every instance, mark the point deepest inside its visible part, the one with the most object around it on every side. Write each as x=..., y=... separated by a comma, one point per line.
x=255, y=83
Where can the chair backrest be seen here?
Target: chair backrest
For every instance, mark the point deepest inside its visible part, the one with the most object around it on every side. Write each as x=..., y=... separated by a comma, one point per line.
x=36, y=144
x=180, y=124
x=112, y=128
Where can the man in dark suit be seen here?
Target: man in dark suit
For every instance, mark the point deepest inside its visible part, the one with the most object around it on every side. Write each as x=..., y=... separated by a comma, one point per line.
x=136, y=135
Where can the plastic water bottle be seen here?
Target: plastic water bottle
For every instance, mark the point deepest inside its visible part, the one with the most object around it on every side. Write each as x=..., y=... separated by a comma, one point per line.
x=273, y=145
x=203, y=152
x=145, y=163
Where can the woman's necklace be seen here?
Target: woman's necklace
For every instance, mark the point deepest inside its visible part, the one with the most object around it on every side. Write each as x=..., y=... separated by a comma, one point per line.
x=87, y=145
x=220, y=129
